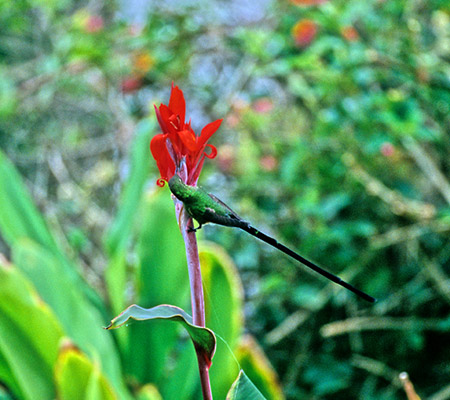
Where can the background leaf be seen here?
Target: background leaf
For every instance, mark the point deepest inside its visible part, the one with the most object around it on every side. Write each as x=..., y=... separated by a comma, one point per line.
x=77, y=378
x=29, y=337
x=223, y=299
x=243, y=388
x=118, y=236
x=160, y=278
x=80, y=319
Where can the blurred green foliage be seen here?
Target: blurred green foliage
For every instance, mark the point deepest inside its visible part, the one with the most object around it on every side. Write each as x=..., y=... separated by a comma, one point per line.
x=338, y=147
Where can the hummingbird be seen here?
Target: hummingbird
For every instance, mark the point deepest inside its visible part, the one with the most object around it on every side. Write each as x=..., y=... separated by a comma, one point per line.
x=207, y=208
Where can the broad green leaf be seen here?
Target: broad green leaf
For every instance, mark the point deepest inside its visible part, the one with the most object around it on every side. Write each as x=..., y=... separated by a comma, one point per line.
x=19, y=219
x=7, y=376
x=244, y=389
x=80, y=319
x=162, y=255
x=29, y=338
x=202, y=337
x=224, y=313
x=161, y=278
x=256, y=365
x=77, y=378
x=119, y=233
x=184, y=373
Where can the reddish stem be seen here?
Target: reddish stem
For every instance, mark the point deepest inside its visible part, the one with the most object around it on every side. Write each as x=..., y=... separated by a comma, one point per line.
x=197, y=298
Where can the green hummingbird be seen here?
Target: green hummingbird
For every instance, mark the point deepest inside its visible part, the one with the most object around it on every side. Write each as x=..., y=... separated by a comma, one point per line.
x=205, y=207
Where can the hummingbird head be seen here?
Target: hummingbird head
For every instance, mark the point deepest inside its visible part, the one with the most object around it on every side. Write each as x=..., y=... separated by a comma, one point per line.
x=178, y=187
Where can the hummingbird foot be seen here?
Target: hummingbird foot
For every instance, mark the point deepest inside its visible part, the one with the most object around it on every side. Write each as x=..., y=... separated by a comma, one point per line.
x=192, y=229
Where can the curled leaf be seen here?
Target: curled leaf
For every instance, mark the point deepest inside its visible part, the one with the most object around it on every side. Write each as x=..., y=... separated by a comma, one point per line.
x=203, y=338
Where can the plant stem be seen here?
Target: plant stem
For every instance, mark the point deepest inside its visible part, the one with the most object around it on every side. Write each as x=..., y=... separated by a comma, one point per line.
x=197, y=298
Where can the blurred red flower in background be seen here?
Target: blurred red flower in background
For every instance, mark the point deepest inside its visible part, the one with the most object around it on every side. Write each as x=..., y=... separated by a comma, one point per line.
x=94, y=23
x=130, y=84
x=304, y=32
x=387, y=149
x=349, y=33
x=263, y=105
x=307, y=2
x=178, y=141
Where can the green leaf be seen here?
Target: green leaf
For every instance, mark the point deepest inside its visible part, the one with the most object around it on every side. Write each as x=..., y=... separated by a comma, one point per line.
x=19, y=219
x=202, y=337
x=224, y=313
x=77, y=378
x=184, y=373
x=161, y=278
x=80, y=319
x=119, y=233
x=253, y=360
x=162, y=254
x=18, y=215
x=149, y=392
x=7, y=376
x=244, y=389
x=29, y=338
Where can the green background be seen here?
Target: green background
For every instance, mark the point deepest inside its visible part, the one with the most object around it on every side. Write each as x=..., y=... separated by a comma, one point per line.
x=339, y=148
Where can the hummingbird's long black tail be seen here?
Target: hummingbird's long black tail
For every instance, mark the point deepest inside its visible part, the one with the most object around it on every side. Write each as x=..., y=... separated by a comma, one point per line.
x=270, y=240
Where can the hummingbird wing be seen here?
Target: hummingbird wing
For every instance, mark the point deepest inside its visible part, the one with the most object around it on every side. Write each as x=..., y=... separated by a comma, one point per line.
x=227, y=217
x=232, y=214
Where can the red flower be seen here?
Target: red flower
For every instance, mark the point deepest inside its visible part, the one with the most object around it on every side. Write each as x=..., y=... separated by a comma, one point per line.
x=387, y=149
x=130, y=84
x=349, y=33
x=178, y=142
x=308, y=2
x=94, y=24
x=304, y=32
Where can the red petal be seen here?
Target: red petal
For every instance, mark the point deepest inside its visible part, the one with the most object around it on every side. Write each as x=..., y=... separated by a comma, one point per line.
x=189, y=139
x=161, y=122
x=165, y=115
x=213, y=151
x=162, y=157
x=177, y=104
x=208, y=131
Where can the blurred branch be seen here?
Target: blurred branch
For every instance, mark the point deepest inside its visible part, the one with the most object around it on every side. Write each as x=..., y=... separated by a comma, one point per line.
x=443, y=394
x=407, y=233
x=289, y=325
x=29, y=85
x=438, y=277
x=429, y=168
x=398, y=203
x=234, y=85
x=301, y=355
x=383, y=323
x=89, y=148
x=96, y=215
x=376, y=368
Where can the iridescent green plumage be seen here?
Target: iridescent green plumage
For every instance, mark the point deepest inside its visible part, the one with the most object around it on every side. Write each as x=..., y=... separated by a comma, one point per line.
x=205, y=207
